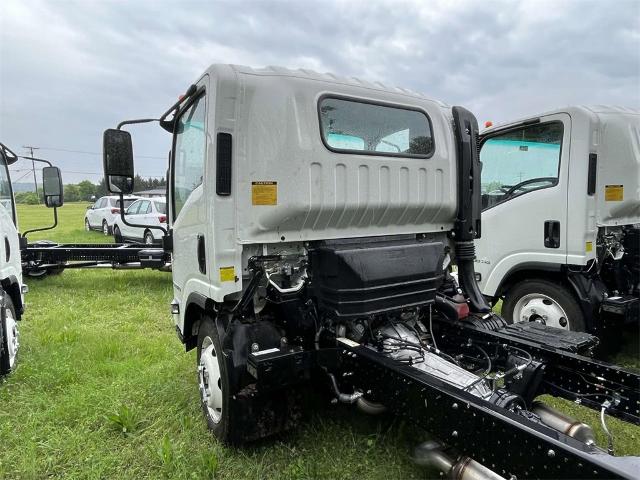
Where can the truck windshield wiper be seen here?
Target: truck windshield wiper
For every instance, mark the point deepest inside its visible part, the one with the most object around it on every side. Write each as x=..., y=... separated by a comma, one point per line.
x=511, y=190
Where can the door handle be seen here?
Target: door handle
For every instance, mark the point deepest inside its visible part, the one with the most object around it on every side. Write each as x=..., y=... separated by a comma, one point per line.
x=552, y=234
x=202, y=263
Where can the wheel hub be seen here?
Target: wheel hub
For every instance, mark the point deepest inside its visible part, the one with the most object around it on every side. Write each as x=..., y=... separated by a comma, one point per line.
x=209, y=379
x=13, y=341
x=537, y=307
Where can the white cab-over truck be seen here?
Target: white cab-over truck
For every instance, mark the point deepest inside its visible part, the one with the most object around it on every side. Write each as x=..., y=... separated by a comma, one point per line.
x=561, y=218
x=12, y=289
x=313, y=221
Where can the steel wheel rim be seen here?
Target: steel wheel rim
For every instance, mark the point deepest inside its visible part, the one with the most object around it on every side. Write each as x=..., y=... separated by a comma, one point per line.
x=12, y=334
x=537, y=307
x=210, y=380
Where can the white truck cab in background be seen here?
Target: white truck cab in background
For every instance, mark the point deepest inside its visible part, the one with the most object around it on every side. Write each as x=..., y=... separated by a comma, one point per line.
x=11, y=286
x=561, y=216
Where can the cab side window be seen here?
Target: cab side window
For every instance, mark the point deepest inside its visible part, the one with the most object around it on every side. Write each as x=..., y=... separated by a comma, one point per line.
x=520, y=161
x=189, y=153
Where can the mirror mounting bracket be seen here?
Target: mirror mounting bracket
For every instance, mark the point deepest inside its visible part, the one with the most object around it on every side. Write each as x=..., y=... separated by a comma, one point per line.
x=55, y=209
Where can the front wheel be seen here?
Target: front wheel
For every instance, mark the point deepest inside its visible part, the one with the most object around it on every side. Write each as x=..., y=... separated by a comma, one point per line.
x=148, y=238
x=543, y=302
x=87, y=225
x=213, y=382
x=8, y=336
x=105, y=228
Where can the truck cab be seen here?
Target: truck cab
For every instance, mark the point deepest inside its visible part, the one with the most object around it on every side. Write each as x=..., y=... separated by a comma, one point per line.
x=12, y=243
x=313, y=223
x=561, y=216
x=11, y=286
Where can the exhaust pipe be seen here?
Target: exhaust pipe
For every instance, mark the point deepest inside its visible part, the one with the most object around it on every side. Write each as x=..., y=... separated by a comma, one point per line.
x=430, y=454
x=563, y=423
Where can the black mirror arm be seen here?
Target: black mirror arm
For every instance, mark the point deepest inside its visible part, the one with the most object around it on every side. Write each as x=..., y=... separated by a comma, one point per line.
x=55, y=209
x=164, y=230
x=51, y=227
x=37, y=160
x=133, y=122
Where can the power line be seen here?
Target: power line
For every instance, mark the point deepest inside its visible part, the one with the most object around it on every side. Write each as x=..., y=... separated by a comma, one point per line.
x=83, y=173
x=84, y=152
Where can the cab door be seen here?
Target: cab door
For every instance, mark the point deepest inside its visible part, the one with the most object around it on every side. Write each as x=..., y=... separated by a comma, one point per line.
x=524, y=199
x=187, y=201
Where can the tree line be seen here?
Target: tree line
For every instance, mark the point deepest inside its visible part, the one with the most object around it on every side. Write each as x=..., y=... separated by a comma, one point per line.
x=86, y=191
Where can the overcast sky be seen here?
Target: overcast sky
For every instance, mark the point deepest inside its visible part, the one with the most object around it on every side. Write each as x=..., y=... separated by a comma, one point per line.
x=71, y=69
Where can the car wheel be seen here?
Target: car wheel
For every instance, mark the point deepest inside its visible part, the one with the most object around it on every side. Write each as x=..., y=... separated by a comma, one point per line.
x=148, y=238
x=117, y=236
x=87, y=225
x=9, y=337
x=105, y=228
x=213, y=383
x=544, y=302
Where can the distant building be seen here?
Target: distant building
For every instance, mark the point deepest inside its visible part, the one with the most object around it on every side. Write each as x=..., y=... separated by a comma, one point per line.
x=154, y=193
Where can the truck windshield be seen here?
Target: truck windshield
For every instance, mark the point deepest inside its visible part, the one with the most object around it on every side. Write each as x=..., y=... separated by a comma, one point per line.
x=6, y=195
x=519, y=161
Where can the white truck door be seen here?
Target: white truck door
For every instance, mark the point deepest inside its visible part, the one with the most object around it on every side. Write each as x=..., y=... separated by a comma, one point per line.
x=524, y=198
x=189, y=206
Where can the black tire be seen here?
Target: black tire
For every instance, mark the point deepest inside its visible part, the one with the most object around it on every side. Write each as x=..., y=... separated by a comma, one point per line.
x=5, y=364
x=148, y=238
x=117, y=236
x=223, y=428
x=87, y=225
x=559, y=293
x=105, y=228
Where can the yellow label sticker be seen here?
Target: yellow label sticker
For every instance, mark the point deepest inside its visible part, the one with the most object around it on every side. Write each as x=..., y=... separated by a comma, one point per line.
x=613, y=193
x=227, y=274
x=589, y=247
x=264, y=193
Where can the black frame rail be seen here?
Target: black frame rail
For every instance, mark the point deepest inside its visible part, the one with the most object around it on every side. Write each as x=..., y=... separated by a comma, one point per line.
x=565, y=374
x=43, y=255
x=475, y=427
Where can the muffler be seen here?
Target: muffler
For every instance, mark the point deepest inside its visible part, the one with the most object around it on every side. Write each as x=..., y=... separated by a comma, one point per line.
x=430, y=454
x=563, y=423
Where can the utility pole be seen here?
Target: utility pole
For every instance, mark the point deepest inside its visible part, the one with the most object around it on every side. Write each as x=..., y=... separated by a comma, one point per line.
x=33, y=167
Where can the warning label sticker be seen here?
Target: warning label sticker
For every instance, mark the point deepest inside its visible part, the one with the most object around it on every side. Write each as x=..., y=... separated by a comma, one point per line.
x=613, y=193
x=264, y=193
x=227, y=274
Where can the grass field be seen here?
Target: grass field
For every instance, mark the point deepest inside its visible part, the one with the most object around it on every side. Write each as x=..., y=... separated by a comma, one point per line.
x=99, y=355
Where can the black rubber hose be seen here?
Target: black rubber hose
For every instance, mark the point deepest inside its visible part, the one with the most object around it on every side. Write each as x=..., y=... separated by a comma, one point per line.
x=465, y=256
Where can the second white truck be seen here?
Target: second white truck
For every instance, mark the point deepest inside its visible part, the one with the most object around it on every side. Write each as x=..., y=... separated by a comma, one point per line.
x=561, y=218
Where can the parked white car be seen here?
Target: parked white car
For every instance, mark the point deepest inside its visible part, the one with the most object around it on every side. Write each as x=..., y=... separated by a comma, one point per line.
x=100, y=215
x=148, y=212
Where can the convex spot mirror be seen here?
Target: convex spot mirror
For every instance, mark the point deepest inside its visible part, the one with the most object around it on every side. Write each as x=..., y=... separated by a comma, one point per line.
x=52, y=187
x=118, y=161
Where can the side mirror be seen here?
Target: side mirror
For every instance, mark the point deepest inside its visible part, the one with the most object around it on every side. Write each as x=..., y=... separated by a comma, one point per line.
x=118, y=161
x=52, y=187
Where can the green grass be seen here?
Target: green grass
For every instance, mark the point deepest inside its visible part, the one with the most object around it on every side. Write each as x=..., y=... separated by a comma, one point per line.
x=105, y=390
x=70, y=227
